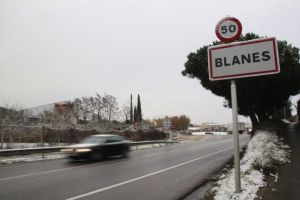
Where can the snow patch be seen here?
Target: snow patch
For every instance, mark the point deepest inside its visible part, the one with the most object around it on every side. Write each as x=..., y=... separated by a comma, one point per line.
x=29, y=145
x=264, y=151
x=31, y=158
x=209, y=133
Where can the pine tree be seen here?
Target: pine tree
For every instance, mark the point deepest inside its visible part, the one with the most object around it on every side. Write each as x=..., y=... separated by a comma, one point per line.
x=131, y=111
x=135, y=114
x=139, y=110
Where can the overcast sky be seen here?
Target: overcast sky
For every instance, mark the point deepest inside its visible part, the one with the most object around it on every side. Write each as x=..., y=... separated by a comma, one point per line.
x=53, y=50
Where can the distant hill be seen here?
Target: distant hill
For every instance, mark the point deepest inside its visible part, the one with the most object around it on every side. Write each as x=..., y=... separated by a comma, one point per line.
x=35, y=111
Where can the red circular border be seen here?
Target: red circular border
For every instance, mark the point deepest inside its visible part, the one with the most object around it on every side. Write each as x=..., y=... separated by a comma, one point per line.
x=235, y=37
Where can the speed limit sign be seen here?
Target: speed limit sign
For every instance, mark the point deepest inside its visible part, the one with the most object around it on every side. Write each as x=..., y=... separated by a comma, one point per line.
x=229, y=29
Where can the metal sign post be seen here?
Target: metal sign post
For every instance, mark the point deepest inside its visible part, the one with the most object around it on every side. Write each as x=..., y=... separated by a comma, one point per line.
x=1, y=134
x=235, y=137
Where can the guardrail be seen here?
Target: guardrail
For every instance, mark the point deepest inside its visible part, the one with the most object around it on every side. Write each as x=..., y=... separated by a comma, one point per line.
x=43, y=150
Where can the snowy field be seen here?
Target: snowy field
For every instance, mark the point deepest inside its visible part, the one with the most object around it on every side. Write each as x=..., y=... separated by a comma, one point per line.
x=263, y=151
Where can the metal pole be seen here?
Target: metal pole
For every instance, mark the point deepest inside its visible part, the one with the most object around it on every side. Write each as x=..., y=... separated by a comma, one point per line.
x=235, y=137
x=2, y=132
x=43, y=140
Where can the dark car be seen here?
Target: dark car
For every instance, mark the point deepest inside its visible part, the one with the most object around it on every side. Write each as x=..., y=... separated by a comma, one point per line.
x=97, y=147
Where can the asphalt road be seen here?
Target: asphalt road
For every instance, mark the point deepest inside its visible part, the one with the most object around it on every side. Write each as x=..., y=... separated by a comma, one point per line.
x=161, y=173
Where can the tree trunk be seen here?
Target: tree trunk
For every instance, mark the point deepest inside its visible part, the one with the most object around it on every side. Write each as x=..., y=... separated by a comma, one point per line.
x=99, y=117
x=253, y=119
x=254, y=122
x=261, y=116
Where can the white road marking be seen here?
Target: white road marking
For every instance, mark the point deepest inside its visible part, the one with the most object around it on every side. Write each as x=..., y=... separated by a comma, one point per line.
x=143, y=177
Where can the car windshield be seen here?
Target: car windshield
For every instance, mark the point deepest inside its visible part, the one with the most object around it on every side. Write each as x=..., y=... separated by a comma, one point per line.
x=93, y=140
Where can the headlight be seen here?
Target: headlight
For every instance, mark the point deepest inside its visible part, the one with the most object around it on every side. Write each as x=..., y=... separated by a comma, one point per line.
x=66, y=150
x=82, y=150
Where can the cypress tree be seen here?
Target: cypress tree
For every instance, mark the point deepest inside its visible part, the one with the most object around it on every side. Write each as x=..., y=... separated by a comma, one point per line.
x=135, y=114
x=139, y=110
x=131, y=111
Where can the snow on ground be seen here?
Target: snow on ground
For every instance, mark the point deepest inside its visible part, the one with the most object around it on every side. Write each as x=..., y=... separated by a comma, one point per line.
x=28, y=145
x=31, y=158
x=28, y=158
x=263, y=151
x=209, y=133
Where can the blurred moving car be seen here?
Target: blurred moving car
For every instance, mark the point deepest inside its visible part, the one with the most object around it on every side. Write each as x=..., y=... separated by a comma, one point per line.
x=97, y=147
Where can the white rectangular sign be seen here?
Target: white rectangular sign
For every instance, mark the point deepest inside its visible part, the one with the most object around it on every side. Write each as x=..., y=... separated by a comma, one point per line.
x=243, y=59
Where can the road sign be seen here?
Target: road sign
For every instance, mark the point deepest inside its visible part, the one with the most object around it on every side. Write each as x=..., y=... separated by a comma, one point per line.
x=243, y=59
x=166, y=123
x=239, y=60
x=228, y=29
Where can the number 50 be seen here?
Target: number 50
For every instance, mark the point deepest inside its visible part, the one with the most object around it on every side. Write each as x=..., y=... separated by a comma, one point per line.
x=230, y=28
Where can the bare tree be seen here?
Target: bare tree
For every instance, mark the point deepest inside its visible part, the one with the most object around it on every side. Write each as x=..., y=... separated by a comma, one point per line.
x=81, y=108
x=77, y=105
x=85, y=108
x=93, y=103
x=110, y=106
x=181, y=122
x=126, y=112
x=61, y=116
x=99, y=107
x=159, y=122
x=13, y=115
x=57, y=119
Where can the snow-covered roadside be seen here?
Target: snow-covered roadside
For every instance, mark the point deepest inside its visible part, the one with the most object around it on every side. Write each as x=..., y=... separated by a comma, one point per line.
x=209, y=133
x=29, y=145
x=264, y=151
x=28, y=158
x=31, y=158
